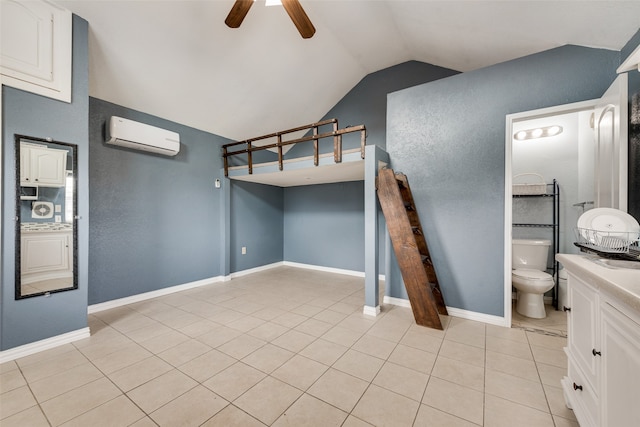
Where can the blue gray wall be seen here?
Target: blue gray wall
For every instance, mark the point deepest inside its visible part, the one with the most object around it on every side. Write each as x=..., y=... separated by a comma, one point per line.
x=155, y=220
x=448, y=137
x=339, y=208
x=33, y=319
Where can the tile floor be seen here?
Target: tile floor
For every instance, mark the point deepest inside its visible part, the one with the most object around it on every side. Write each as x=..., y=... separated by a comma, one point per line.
x=554, y=324
x=286, y=347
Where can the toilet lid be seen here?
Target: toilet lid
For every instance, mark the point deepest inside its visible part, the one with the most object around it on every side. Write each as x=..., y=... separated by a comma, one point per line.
x=531, y=274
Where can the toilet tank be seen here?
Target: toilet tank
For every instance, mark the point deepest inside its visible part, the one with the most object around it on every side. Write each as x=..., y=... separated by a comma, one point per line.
x=530, y=253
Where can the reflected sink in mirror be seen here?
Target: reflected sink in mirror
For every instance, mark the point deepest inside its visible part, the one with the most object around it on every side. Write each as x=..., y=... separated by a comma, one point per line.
x=617, y=263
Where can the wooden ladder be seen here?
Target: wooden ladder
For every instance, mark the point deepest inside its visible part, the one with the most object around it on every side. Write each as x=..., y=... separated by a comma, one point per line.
x=411, y=249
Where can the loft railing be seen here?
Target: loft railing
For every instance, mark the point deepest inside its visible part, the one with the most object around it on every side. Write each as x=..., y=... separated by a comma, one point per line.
x=249, y=148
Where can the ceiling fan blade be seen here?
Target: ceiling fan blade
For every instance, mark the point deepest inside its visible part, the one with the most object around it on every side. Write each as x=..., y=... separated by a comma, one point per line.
x=299, y=18
x=238, y=12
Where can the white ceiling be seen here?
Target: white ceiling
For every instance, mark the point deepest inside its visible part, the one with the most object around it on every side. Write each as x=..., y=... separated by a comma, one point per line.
x=179, y=61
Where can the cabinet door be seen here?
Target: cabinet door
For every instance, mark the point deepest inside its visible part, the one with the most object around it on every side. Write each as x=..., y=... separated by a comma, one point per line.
x=36, y=47
x=48, y=167
x=42, y=252
x=620, y=369
x=584, y=328
x=25, y=165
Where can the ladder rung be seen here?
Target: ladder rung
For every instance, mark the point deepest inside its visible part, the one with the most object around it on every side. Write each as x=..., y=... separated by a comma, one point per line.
x=416, y=230
x=408, y=206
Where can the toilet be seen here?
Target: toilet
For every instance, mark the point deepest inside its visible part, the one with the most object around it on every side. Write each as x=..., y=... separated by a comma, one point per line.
x=529, y=277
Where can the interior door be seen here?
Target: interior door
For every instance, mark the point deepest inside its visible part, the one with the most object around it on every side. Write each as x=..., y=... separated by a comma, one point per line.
x=610, y=125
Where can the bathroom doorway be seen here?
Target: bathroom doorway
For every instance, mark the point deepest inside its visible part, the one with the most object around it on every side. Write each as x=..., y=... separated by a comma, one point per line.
x=569, y=151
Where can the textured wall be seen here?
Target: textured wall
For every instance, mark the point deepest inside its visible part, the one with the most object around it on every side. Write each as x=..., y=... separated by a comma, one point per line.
x=37, y=318
x=448, y=136
x=155, y=220
x=634, y=129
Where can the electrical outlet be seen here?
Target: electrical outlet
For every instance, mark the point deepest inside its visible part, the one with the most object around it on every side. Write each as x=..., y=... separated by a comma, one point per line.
x=244, y=250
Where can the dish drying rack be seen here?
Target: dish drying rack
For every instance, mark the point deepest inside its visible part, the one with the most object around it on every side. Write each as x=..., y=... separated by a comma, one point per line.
x=609, y=244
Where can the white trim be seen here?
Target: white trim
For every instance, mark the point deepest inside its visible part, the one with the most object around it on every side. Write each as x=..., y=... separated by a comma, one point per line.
x=252, y=270
x=94, y=308
x=46, y=344
x=457, y=312
x=631, y=63
x=329, y=269
x=371, y=311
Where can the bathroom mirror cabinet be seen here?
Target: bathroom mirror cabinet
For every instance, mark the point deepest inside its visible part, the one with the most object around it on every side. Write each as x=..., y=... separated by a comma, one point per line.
x=46, y=213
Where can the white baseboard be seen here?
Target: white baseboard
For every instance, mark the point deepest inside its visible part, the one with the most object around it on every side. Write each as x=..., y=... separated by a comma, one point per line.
x=455, y=312
x=94, y=308
x=371, y=311
x=46, y=344
x=329, y=269
x=253, y=270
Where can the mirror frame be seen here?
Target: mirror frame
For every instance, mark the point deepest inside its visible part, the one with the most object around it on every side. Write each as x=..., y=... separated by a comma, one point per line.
x=74, y=223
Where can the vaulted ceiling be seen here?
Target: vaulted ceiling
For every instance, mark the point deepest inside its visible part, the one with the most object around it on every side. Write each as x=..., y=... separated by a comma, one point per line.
x=179, y=61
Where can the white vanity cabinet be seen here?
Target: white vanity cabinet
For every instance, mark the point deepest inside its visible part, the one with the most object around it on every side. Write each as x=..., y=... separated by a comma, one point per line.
x=603, y=352
x=45, y=255
x=36, y=47
x=42, y=166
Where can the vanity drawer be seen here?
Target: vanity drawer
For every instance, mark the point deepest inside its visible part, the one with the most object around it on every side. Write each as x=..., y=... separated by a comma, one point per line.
x=582, y=398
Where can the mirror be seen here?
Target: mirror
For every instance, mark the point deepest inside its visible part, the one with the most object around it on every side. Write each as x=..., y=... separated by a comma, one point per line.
x=46, y=213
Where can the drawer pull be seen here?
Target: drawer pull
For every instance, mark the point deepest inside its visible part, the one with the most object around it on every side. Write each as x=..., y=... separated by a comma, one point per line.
x=596, y=353
x=577, y=387
x=565, y=308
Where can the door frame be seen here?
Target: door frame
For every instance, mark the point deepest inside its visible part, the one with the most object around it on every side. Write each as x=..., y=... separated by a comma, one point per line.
x=575, y=107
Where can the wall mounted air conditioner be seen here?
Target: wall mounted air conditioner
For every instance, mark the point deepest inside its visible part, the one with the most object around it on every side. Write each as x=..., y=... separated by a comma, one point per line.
x=139, y=136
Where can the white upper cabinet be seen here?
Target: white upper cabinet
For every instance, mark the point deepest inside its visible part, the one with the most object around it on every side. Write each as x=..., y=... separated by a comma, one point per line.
x=42, y=166
x=35, y=49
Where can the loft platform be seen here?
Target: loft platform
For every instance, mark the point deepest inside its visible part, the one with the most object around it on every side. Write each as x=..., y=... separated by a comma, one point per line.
x=337, y=165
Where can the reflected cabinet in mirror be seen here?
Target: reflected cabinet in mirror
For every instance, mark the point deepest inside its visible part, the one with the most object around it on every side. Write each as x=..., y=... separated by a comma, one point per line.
x=46, y=205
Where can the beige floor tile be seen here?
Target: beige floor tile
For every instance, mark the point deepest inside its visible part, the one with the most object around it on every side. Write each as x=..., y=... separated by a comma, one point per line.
x=339, y=389
x=161, y=390
x=76, y=402
x=551, y=375
x=506, y=333
x=359, y=365
x=447, y=397
x=549, y=356
x=563, y=422
x=164, y=341
x=518, y=390
x=207, y=365
x=390, y=331
x=342, y=336
x=458, y=372
x=11, y=379
x=431, y=417
x=139, y=373
x=464, y=353
x=219, y=336
x=289, y=320
x=401, y=380
x=198, y=328
x=126, y=356
x=190, y=409
x=324, y=351
x=557, y=405
x=268, y=313
x=32, y=417
x=37, y=369
x=503, y=413
x=119, y=412
x=231, y=416
x=293, y=340
x=58, y=384
x=466, y=332
x=300, y=372
x=512, y=348
x=184, y=352
x=147, y=332
x=8, y=367
x=352, y=421
x=374, y=346
x=268, y=399
x=330, y=316
x=15, y=401
x=313, y=327
x=309, y=411
x=102, y=344
x=422, y=341
x=234, y=381
x=245, y=324
x=382, y=407
x=548, y=341
x=268, y=358
x=241, y=346
x=268, y=331
x=358, y=322
x=512, y=365
x=225, y=316
x=131, y=322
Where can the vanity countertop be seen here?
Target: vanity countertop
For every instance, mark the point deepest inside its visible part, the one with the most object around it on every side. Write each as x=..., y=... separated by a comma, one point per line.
x=622, y=283
x=38, y=227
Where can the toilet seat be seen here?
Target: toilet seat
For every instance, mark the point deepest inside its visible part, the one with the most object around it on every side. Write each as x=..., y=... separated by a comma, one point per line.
x=529, y=274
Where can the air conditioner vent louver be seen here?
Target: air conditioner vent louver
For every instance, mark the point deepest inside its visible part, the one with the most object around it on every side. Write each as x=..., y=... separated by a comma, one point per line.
x=140, y=136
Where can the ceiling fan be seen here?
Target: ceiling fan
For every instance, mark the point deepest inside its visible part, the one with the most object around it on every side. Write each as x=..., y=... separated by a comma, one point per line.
x=294, y=9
